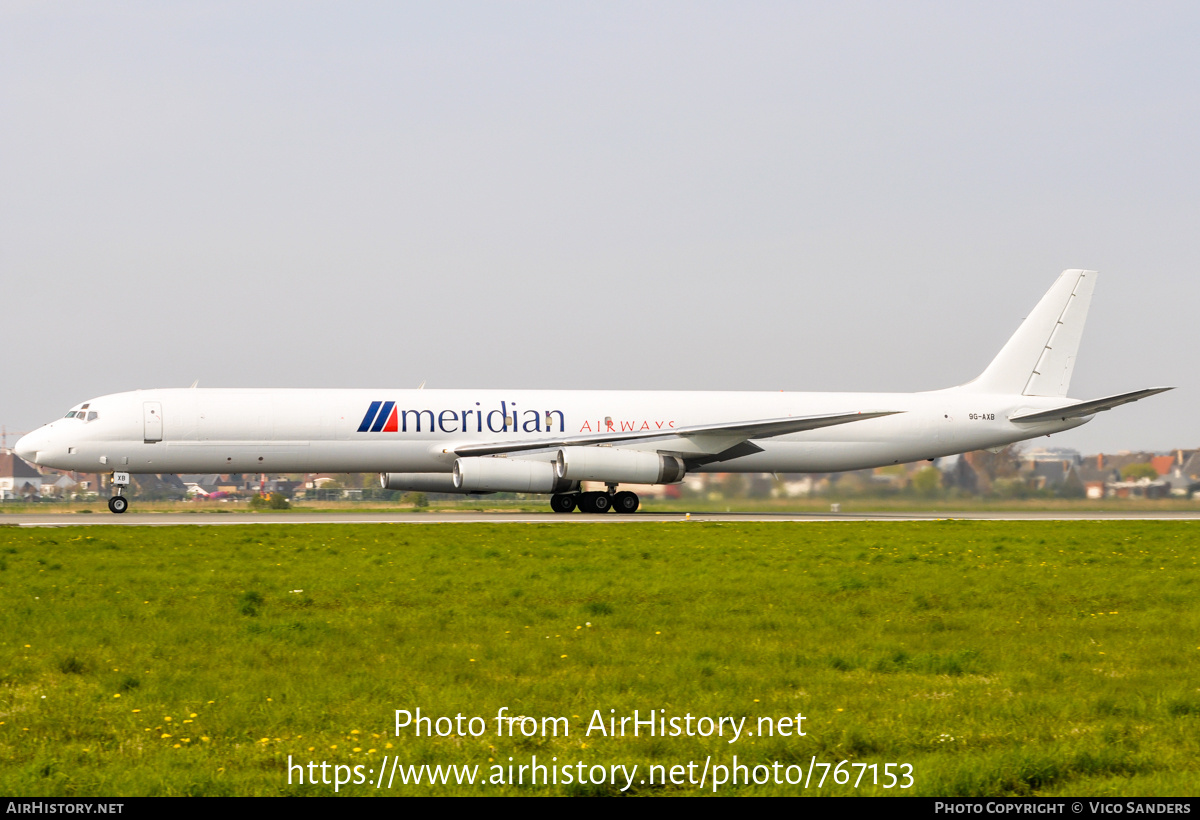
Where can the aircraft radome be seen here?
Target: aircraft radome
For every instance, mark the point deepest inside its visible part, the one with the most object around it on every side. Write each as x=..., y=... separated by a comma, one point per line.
x=548, y=441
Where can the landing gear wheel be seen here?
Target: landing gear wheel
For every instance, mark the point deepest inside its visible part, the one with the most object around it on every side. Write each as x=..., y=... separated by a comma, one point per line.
x=562, y=502
x=625, y=502
x=594, y=502
x=118, y=504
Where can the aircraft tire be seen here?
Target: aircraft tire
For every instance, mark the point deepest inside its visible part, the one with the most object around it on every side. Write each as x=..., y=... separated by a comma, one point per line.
x=562, y=502
x=594, y=502
x=118, y=504
x=625, y=502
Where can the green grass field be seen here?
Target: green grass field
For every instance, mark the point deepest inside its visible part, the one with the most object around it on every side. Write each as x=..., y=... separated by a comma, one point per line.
x=1005, y=658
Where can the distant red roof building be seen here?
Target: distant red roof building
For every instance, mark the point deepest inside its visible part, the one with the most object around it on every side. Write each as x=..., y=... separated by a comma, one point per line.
x=1163, y=464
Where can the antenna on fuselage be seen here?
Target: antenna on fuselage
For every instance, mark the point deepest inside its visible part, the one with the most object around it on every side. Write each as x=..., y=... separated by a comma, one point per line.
x=421, y=386
x=196, y=383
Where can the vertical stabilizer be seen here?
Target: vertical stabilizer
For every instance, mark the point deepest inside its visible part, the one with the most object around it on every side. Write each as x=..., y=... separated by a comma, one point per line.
x=1039, y=358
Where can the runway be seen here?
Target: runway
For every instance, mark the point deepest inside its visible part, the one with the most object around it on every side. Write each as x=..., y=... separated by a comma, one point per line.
x=134, y=519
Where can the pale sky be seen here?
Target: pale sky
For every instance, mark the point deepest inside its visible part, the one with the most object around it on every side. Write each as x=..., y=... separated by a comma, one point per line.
x=719, y=196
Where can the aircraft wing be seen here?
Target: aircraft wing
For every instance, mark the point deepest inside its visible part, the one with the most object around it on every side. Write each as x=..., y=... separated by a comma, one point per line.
x=1087, y=408
x=707, y=436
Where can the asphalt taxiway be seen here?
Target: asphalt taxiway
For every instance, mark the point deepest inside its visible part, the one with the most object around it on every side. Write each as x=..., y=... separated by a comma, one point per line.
x=151, y=519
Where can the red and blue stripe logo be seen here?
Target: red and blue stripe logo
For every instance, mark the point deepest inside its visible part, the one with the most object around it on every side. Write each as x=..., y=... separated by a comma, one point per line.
x=380, y=418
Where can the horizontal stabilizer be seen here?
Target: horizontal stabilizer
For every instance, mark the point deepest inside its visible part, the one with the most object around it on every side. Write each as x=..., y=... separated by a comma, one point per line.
x=1087, y=408
x=730, y=432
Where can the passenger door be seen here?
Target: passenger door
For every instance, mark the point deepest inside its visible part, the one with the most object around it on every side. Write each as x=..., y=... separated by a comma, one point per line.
x=152, y=417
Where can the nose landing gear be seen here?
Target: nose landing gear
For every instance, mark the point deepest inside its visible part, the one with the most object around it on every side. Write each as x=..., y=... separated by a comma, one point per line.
x=119, y=503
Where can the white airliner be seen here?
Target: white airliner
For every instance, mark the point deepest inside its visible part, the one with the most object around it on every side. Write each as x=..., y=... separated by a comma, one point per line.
x=548, y=441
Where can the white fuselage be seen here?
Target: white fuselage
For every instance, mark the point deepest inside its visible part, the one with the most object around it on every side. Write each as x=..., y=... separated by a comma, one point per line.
x=310, y=430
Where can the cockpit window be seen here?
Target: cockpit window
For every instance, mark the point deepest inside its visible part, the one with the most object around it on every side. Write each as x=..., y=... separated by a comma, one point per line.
x=92, y=415
x=70, y=415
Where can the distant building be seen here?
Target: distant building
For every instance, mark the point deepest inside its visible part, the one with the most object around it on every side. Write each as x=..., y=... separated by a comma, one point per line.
x=1182, y=472
x=18, y=478
x=1051, y=454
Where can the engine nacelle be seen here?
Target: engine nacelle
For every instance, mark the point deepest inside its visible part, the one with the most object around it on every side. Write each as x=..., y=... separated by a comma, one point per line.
x=508, y=475
x=615, y=465
x=419, y=482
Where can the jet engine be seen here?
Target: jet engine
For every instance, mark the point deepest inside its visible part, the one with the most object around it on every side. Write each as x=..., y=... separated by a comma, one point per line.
x=615, y=465
x=508, y=475
x=419, y=482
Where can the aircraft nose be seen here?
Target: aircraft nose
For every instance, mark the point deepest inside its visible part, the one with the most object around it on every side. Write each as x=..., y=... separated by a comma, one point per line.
x=28, y=445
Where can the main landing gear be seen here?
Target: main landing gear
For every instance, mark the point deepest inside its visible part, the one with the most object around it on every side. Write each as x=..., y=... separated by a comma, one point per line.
x=622, y=502
x=625, y=502
x=563, y=503
x=119, y=503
